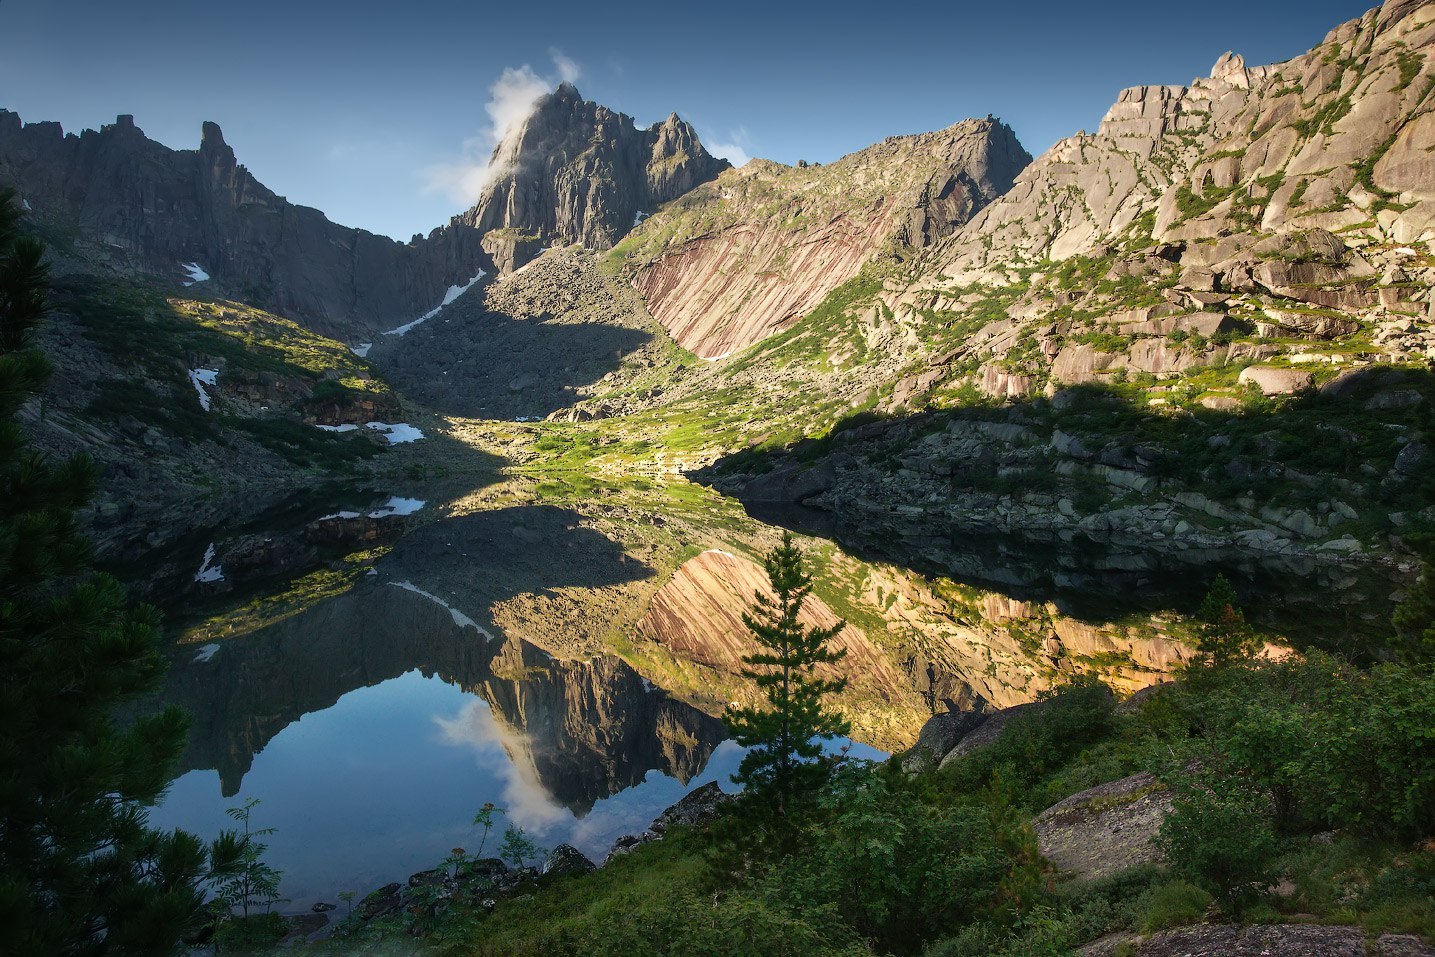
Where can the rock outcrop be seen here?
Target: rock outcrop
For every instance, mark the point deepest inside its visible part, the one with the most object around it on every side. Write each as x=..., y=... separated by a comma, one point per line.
x=578, y=172
x=1336, y=138
x=1105, y=829
x=749, y=254
x=182, y=214
x=1275, y=940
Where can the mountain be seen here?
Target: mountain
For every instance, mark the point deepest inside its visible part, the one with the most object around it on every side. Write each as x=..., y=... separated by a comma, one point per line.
x=1336, y=139
x=752, y=252
x=1205, y=327
x=577, y=172
x=132, y=203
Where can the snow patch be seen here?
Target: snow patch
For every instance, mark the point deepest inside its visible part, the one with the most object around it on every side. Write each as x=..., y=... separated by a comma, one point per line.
x=721, y=357
x=397, y=434
x=398, y=505
x=639, y=217
x=346, y=427
x=206, y=653
x=459, y=618
x=195, y=272
x=453, y=293
x=362, y=349
x=25, y=205
x=200, y=378
x=719, y=551
x=209, y=572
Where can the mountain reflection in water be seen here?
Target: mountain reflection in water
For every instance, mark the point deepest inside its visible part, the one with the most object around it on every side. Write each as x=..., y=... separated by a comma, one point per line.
x=373, y=725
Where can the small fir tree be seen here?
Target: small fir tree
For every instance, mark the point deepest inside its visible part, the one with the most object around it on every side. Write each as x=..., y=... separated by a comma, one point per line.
x=1223, y=636
x=784, y=760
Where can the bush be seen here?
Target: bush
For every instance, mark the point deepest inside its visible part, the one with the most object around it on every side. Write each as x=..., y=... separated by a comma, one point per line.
x=1035, y=744
x=1174, y=905
x=900, y=869
x=1222, y=840
x=743, y=922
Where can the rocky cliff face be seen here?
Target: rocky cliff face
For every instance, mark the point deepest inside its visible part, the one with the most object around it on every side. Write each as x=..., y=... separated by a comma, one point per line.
x=128, y=200
x=577, y=172
x=751, y=253
x=531, y=344
x=1336, y=138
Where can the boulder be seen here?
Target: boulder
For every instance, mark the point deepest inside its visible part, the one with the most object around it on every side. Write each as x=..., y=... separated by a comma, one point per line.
x=1275, y=380
x=990, y=729
x=938, y=736
x=695, y=809
x=1274, y=940
x=567, y=859
x=794, y=485
x=1105, y=829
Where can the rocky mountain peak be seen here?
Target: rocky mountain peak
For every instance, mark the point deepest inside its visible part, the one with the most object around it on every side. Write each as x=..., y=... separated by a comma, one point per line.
x=575, y=171
x=213, y=147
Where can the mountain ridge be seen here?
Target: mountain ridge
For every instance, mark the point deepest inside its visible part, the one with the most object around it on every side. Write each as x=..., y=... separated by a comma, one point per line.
x=134, y=203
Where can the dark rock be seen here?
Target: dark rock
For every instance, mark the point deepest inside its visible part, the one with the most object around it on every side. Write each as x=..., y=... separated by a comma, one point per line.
x=157, y=208
x=322, y=907
x=938, y=736
x=302, y=926
x=1276, y=940
x=385, y=900
x=431, y=878
x=990, y=729
x=794, y=485
x=567, y=859
x=697, y=808
x=1412, y=458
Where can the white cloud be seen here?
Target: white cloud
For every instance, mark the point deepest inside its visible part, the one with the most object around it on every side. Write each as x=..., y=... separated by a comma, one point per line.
x=529, y=804
x=568, y=70
x=735, y=148
x=510, y=101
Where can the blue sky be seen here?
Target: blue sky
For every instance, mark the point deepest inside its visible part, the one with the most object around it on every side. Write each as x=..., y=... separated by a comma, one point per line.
x=370, y=110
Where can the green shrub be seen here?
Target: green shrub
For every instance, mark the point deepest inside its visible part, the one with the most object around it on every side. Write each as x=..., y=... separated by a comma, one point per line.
x=1174, y=905
x=1222, y=840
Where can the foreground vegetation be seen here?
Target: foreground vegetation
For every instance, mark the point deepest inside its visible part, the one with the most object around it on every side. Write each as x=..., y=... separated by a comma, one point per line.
x=1303, y=790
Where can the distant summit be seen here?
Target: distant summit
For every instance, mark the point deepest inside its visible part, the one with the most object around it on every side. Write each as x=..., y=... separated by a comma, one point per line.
x=578, y=172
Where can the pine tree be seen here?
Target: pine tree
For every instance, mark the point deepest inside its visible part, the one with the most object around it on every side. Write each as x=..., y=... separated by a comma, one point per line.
x=784, y=761
x=1414, y=620
x=80, y=870
x=1222, y=635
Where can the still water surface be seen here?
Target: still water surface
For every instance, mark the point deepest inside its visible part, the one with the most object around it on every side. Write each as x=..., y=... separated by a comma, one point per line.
x=372, y=724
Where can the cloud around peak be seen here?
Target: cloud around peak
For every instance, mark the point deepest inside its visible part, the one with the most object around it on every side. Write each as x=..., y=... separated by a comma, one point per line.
x=511, y=99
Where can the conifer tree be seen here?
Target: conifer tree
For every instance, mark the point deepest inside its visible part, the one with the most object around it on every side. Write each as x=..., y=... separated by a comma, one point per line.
x=1223, y=636
x=784, y=760
x=1414, y=619
x=80, y=870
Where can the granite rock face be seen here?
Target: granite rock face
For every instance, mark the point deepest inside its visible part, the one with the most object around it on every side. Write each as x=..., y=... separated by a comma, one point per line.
x=578, y=172
x=139, y=204
x=1248, y=149
x=749, y=254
